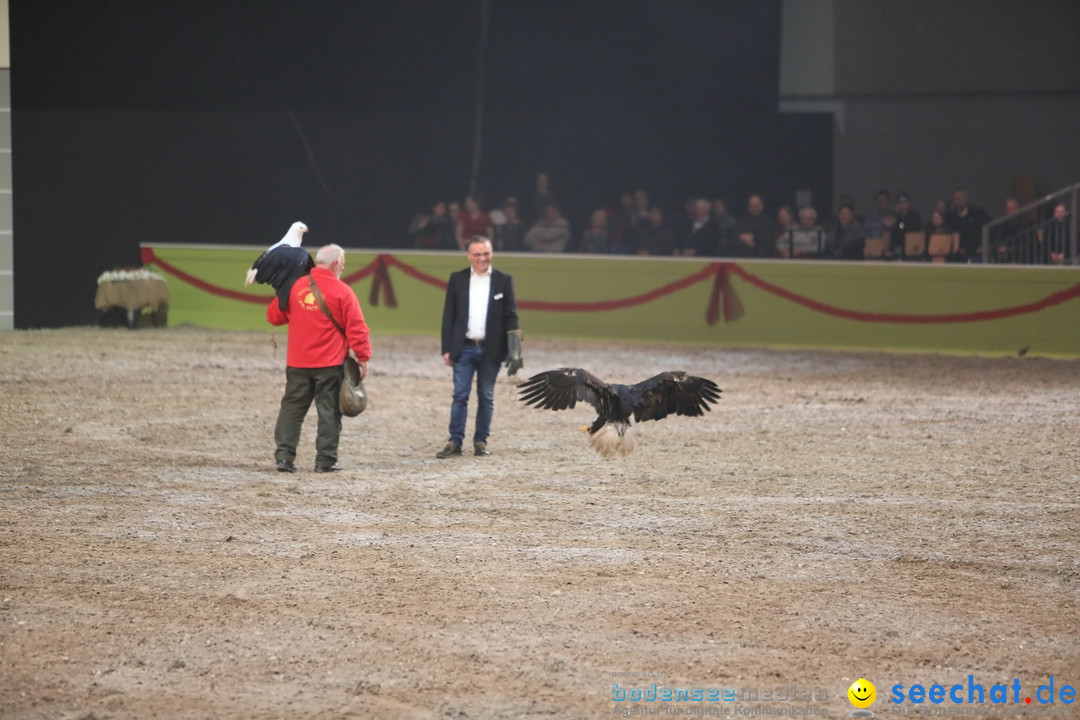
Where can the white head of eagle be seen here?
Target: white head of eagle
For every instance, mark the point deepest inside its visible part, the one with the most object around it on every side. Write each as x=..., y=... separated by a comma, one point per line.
x=281, y=264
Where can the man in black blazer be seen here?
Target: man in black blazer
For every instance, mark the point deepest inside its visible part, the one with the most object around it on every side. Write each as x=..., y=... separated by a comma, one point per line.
x=479, y=331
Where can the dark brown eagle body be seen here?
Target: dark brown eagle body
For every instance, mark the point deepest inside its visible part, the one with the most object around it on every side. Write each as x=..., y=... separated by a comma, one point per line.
x=282, y=264
x=669, y=393
x=281, y=268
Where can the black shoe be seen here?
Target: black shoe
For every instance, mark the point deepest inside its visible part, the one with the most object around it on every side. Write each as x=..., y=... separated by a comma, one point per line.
x=480, y=449
x=285, y=466
x=451, y=449
x=332, y=468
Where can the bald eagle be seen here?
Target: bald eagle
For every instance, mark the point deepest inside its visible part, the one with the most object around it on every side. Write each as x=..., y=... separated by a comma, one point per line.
x=282, y=264
x=653, y=399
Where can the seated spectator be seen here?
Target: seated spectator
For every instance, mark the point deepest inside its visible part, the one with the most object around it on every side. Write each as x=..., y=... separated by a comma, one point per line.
x=805, y=240
x=724, y=221
x=967, y=222
x=850, y=202
x=687, y=222
x=785, y=222
x=640, y=208
x=498, y=217
x=1014, y=240
x=889, y=227
x=453, y=212
x=472, y=222
x=551, y=233
x=543, y=198
x=619, y=220
x=907, y=219
x=848, y=239
x=596, y=239
x=755, y=234
x=654, y=236
x=938, y=224
x=1055, y=240
x=942, y=206
x=621, y=243
x=431, y=230
x=509, y=234
x=875, y=221
x=703, y=237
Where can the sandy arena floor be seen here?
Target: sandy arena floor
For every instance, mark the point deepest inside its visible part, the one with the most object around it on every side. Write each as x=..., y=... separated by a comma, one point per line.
x=910, y=519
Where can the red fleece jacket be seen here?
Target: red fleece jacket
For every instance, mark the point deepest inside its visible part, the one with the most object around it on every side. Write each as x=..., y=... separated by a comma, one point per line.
x=314, y=342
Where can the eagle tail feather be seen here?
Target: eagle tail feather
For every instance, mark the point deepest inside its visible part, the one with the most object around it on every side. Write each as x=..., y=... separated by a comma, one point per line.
x=613, y=438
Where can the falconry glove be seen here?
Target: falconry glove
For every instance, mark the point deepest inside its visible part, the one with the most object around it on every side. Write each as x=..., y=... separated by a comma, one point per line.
x=514, y=362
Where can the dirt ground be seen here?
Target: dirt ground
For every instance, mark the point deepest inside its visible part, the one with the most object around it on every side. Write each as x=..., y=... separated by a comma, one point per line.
x=907, y=518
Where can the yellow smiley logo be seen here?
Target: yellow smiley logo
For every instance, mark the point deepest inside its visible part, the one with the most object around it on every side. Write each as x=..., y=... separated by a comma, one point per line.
x=862, y=693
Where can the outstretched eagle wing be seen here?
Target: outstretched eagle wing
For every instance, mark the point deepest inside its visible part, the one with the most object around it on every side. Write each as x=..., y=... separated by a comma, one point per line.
x=563, y=388
x=673, y=393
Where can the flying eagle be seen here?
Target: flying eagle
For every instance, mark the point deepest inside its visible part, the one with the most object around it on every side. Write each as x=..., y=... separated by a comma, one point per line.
x=653, y=399
x=282, y=264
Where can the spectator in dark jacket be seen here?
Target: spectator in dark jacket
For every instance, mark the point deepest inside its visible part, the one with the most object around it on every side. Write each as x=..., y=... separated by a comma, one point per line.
x=755, y=234
x=848, y=239
x=1014, y=240
x=703, y=238
x=432, y=230
x=511, y=231
x=907, y=218
x=967, y=221
x=654, y=236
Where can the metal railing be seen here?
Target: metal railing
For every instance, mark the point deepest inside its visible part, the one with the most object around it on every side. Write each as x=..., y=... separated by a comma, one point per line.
x=1040, y=240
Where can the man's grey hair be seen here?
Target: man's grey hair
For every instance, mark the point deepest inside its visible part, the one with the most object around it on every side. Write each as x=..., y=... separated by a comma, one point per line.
x=328, y=254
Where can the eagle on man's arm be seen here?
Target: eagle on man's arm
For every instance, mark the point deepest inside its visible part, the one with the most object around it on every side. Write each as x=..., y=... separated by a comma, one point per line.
x=669, y=393
x=282, y=264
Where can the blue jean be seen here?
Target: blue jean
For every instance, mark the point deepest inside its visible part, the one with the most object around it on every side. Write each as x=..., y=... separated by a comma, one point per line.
x=472, y=362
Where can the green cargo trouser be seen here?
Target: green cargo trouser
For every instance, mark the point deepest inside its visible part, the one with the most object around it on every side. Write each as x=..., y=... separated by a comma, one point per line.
x=302, y=385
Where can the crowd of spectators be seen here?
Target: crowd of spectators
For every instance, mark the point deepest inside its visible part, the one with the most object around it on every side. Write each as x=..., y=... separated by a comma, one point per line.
x=891, y=230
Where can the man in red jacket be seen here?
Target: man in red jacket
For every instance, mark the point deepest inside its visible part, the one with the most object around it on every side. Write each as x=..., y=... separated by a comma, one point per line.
x=317, y=348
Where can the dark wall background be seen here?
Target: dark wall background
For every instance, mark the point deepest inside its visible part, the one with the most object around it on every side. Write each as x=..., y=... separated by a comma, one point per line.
x=223, y=122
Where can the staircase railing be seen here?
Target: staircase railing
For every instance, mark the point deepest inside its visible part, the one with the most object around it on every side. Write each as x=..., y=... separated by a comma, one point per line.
x=1015, y=238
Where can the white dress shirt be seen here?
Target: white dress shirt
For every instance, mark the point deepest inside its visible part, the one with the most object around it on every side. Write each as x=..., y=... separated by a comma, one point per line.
x=479, y=290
